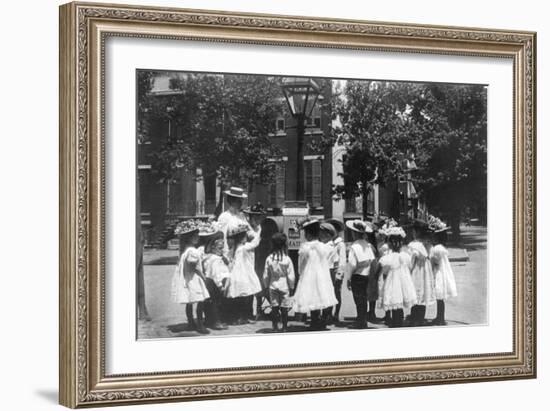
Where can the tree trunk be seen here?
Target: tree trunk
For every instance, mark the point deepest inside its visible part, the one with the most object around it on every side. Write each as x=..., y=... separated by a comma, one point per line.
x=219, y=206
x=455, y=227
x=143, y=314
x=365, y=190
x=209, y=182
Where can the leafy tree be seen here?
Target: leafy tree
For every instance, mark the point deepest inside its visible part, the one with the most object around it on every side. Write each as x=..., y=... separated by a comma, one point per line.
x=444, y=126
x=449, y=127
x=225, y=120
x=144, y=85
x=371, y=130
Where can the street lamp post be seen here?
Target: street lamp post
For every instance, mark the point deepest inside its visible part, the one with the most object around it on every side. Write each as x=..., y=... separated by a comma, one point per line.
x=301, y=94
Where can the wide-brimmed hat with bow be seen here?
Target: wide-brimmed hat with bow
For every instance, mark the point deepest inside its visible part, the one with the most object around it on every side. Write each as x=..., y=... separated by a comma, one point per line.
x=237, y=229
x=209, y=230
x=308, y=221
x=392, y=229
x=187, y=227
x=256, y=209
x=337, y=224
x=395, y=231
x=360, y=226
x=329, y=228
x=436, y=225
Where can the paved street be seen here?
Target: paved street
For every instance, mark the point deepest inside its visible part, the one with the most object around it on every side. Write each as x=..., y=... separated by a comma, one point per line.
x=470, y=307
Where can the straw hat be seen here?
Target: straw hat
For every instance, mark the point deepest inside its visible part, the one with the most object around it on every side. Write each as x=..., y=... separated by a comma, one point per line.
x=187, y=227
x=237, y=229
x=257, y=209
x=360, y=226
x=395, y=231
x=337, y=224
x=308, y=221
x=236, y=192
x=329, y=228
x=436, y=225
x=209, y=230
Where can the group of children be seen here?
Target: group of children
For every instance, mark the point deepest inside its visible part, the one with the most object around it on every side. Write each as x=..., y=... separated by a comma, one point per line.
x=394, y=276
x=217, y=280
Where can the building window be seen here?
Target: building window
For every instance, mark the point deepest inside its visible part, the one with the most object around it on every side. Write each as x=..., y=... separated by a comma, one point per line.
x=313, y=182
x=280, y=125
x=370, y=201
x=277, y=189
x=313, y=122
x=317, y=122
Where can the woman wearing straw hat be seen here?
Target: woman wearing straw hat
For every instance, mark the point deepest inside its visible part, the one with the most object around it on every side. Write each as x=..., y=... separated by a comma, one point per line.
x=361, y=255
x=233, y=216
x=188, y=286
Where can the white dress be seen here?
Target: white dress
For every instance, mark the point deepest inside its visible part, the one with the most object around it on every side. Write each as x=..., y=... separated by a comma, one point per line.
x=244, y=280
x=445, y=284
x=398, y=289
x=341, y=259
x=383, y=250
x=422, y=275
x=187, y=283
x=315, y=290
x=228, y=219
x=216, y=269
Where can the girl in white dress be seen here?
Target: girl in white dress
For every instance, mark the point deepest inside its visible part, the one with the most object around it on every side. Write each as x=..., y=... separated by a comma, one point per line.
x=314, y=291
x=445, y=284
x=327, y=233
x=244, y=283
x=383, y=250
x=216, y=274
x=398, y=290
x=188, y=285
x=422, y=276
x=278, y=278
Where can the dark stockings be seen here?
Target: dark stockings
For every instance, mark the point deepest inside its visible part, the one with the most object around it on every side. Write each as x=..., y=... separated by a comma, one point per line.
x=282, y=314
x=418, y=314
x=371, y=316
x=440, y=317
x=197, y=324
x=397, y=318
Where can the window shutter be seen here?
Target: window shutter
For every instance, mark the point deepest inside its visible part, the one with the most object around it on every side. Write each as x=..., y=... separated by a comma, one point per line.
x=308, y=183
x=316, y=183
x=280, y=184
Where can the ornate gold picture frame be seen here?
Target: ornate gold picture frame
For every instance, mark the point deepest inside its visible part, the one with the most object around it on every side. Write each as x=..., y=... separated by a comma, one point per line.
x=84, y=29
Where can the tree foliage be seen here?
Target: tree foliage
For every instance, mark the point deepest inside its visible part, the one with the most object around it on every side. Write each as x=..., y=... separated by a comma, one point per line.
x=224, y=122
x=451, y=136
x=443, y=125
x=369, y=127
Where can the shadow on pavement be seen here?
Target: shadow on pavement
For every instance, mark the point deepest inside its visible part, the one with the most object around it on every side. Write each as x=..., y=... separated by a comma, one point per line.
x=472, y=238
x=168, y=260
x=182, y=330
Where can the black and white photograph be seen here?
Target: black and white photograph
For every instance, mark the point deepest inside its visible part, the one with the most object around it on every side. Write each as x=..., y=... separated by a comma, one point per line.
x=269, y=204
